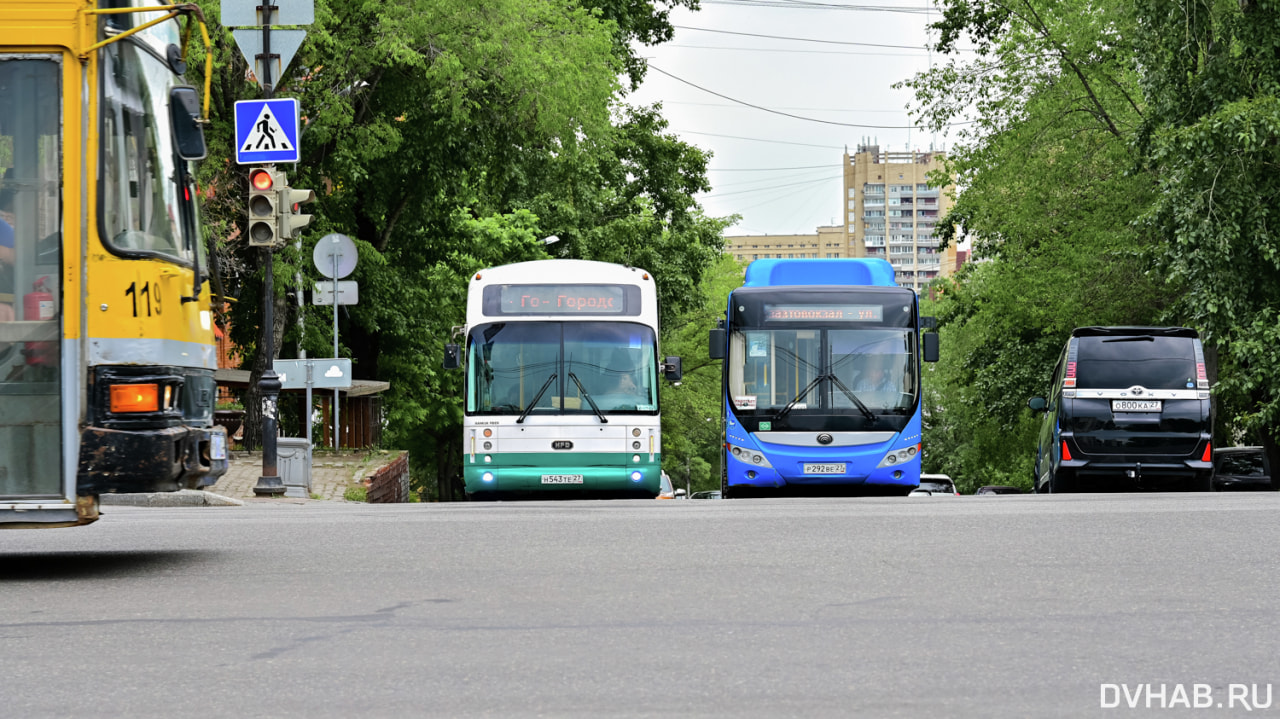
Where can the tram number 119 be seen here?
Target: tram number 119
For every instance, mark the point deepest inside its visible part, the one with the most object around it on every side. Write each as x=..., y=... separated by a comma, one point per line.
x=150, y=294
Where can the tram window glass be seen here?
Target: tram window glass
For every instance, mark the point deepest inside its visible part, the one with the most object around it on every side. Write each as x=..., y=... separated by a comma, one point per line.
x=141, y=210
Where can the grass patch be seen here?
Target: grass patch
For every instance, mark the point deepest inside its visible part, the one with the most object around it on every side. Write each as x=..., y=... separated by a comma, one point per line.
x=356, y=493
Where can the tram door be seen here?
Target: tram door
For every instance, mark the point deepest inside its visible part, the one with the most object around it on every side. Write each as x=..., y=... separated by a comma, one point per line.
x=31, y=459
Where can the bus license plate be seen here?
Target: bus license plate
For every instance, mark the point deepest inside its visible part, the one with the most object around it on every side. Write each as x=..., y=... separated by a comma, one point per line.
x=217, y=446
x=837, y=468
x=562, y=479
x=1135, y=405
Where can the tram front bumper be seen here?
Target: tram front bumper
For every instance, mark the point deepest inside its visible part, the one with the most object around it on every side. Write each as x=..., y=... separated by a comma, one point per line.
x=151, y=460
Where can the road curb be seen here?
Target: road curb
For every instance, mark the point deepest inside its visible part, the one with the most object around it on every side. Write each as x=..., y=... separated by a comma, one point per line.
x=181, y=498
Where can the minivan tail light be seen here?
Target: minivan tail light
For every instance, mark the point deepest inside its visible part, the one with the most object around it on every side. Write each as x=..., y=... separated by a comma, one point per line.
x=1208, y=452
x=1066, y=453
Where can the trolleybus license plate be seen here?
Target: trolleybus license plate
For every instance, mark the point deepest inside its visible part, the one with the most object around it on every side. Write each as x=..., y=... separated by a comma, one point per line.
x=562, y=479
x=837, y=468
x=1135, y=405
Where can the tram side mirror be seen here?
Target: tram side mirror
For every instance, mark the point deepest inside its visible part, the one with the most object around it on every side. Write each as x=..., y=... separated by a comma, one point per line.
x=452, y=353
x=717, y=343
x=930, y=346
x=1038, y=404
x=672, y=369
x=184, y=113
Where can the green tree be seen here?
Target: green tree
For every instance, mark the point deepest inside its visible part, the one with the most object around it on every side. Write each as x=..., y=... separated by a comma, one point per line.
x=1212, y=140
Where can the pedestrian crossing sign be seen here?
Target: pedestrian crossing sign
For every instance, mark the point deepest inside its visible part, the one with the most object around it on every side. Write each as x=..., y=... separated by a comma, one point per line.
x=267, y=131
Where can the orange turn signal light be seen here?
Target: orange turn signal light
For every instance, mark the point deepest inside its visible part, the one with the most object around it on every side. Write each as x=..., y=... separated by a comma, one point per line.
x=135, y=398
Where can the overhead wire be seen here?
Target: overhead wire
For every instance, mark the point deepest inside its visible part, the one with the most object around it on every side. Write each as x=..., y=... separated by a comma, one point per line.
x=803, y=39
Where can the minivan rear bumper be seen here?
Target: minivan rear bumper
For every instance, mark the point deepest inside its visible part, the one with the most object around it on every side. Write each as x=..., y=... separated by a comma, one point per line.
x=1137, y=470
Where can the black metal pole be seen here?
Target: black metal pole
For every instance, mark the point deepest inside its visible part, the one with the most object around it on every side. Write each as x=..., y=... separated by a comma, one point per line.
x=269, y=483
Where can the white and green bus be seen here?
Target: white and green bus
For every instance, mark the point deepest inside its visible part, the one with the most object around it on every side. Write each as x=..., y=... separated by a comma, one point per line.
x=561, y=392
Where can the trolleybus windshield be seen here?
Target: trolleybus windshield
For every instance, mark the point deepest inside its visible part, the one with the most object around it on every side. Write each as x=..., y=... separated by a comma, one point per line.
x=562, y=367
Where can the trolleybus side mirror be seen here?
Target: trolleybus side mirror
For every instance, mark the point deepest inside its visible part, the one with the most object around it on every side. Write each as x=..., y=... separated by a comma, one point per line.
x=1038, y=404
x=929, y=341
x=452, y=353
x=717, y=343
x=928, y=323
x=672, y=368
x=184, y=113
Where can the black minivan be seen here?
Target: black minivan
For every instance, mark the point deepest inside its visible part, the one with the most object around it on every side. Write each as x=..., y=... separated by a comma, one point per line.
x=1128, y=409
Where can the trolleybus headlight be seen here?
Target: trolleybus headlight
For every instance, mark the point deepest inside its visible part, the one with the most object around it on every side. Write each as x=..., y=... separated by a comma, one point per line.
x=636, y=476
x=488, y=459
x=635, y=458
x=635, y=444
x=135, y=398
x=635, y=432
x=488, y=446
x=487, y=476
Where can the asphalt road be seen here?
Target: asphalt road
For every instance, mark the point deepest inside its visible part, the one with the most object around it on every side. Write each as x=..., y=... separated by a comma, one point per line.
x=1017, y=606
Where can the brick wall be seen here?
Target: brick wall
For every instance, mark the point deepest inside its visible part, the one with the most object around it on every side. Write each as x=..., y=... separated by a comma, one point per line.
x=391, y=483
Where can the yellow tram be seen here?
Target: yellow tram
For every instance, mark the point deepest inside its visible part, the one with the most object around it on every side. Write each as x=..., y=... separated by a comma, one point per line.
x=107, y=350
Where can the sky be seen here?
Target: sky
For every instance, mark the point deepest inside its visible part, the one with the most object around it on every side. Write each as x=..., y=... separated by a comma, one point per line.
x=819, y=59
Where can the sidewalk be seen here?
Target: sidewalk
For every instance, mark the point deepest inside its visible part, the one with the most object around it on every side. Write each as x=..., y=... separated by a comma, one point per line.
x=331, y=472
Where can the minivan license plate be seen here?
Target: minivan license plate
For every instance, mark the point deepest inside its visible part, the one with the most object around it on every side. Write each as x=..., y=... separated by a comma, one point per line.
x=836, y=468
x=1135, y=405
x=562, y=479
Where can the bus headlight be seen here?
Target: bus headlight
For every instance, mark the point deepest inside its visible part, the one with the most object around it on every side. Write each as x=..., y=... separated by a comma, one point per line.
x=898, y=456
x=749, y=456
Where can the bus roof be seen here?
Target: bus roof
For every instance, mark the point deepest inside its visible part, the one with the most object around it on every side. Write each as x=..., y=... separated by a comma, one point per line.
x=834, y=271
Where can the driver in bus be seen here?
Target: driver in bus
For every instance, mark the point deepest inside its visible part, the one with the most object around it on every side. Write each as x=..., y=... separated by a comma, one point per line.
x=877, y=377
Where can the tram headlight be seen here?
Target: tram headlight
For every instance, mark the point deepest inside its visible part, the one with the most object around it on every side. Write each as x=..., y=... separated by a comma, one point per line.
x=899, y=456
x=749, y=456
x=135, y=398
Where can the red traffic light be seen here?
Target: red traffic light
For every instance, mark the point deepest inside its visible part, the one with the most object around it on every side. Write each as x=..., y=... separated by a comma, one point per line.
x=260, y=180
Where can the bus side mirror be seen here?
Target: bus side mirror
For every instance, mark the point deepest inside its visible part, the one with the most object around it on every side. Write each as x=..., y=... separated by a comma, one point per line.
x=452, y=353
x=184, y=114
x=717, y=343
x=672, y=369
x=1038, y=404
x=930, y=342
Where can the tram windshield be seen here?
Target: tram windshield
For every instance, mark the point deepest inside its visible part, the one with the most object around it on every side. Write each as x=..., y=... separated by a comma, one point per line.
x=147, y=192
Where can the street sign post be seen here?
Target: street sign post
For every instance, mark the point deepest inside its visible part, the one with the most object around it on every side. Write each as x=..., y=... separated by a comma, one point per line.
x=248, y=13
x=267, y=131
x=348, y=293
x=319, y=373
x=335, y=256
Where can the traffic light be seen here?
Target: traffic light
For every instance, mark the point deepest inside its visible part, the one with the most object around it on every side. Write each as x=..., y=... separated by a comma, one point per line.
x=291, y=218
x=264, y=219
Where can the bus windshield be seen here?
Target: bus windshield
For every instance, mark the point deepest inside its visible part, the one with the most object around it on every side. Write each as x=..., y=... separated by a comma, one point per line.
x=822, y=371
x=561, y=367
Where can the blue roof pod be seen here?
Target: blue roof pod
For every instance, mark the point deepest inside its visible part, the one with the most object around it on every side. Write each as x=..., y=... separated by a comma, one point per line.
x=832, y=271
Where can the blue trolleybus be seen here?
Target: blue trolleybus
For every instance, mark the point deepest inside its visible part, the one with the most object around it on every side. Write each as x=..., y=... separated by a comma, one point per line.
x=821, y=378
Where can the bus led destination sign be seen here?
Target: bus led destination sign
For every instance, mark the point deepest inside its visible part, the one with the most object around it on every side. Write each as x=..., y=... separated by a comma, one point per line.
x=824, y=313
x=563, y=299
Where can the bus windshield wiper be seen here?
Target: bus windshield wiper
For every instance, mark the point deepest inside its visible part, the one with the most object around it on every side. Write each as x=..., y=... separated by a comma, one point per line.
x=587, y=395
x=536, y=397
x=795, y=400
x=866, y=412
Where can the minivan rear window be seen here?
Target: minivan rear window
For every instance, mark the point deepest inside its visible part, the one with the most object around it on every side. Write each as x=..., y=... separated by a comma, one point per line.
x=1122, y=362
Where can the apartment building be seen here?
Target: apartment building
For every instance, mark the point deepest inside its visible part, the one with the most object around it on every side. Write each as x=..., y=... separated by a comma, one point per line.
x=892, y=213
